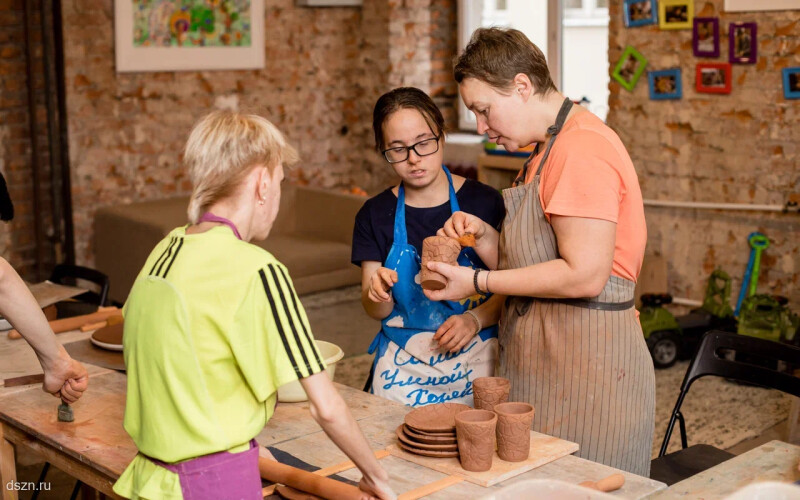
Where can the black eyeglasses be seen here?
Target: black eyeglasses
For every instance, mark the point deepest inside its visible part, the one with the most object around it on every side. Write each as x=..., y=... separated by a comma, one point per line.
x=422, y=148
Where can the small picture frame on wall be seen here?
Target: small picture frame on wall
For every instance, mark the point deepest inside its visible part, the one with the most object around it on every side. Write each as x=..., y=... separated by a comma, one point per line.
x=742, y=43
x=791, y=83
x=640, y=13
x=665, y=84
x=713, y=78
x=629, y=68
x=675, y=14
x=705, y=37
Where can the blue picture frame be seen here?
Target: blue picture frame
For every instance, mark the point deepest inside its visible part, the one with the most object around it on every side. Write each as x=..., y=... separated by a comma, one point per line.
x=791, y=82
x=665, y=84
x=639, y=16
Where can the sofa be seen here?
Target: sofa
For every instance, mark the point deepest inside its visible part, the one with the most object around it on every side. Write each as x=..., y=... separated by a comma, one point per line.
x=312, y=236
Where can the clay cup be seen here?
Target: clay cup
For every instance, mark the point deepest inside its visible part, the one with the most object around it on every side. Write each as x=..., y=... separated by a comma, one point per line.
x=475, y=431
x=514, y=430
x=437, y=249
x=490, y=391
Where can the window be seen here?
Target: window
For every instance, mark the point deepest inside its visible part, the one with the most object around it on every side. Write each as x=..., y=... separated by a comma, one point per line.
x=575, y=41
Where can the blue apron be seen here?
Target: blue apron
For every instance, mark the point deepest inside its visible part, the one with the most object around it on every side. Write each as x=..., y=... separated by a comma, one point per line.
x=409, y=366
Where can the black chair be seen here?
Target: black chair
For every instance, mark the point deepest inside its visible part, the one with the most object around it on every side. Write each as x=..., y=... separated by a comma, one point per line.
x=85, y=303
x=717, y=355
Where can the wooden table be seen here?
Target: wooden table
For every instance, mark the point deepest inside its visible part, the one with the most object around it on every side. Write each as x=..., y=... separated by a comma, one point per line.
x=95, y=448
x=773, y=461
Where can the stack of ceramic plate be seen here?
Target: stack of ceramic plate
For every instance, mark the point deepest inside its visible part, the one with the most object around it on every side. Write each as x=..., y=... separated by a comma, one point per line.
x=431, y=430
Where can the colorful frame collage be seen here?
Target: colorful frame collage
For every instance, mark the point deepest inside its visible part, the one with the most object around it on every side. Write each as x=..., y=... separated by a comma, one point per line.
x=710, y=77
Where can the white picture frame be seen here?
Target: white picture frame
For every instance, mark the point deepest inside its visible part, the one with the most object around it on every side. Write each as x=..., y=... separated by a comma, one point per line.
x=132, y=58
x=760, y=5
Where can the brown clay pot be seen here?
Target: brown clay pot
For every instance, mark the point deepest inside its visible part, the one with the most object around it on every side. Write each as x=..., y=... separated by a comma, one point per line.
x=490, y=391
x=514, y=430
x=475, y=431
x=437, y=249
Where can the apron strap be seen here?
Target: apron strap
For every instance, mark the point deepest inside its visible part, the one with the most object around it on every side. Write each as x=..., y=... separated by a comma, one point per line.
x=209, y=217
x=553, y=131
x=400, y=233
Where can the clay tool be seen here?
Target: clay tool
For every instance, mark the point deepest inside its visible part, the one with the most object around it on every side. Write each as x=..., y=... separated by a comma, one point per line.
x=610, y=483
x=65, y=413
x=299, y=479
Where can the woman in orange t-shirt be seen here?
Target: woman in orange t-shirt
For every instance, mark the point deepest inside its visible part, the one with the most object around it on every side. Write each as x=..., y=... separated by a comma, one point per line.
x=568, y=256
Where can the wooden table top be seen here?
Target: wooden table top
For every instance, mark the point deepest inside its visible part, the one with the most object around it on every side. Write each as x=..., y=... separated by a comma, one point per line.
x=98, y=439
x=773, y=461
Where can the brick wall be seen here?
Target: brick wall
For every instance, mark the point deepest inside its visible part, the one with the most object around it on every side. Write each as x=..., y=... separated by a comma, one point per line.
x=738, y=148
x=18, y=237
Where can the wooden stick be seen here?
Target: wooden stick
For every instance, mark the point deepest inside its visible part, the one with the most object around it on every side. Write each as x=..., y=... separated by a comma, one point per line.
x=75, y=322
x=24, y=380
x=335, y=469
x=429, y=488
x=94, y=326
x=324, y=487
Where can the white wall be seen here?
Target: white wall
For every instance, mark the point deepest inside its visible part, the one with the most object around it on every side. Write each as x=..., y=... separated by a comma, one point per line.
x=585, y=61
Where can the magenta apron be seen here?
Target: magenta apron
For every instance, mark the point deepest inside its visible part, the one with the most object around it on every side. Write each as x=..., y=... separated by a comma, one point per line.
x=221, y=476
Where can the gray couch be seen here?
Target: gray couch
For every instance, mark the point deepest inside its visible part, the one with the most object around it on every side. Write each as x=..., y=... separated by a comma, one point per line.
x=311, y=236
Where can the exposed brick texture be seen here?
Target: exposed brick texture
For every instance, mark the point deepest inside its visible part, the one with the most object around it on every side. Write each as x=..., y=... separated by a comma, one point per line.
x=736, y=148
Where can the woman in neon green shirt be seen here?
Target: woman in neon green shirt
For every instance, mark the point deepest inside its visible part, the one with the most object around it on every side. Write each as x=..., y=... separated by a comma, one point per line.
x=213, y=327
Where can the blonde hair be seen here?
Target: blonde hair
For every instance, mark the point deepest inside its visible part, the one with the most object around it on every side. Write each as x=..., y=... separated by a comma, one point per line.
x=222, y=149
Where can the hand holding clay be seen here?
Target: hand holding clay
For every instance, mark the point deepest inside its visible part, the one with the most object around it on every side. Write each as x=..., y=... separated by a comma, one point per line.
x=460, y=224
x=455, y=332
x=459, y=282
x=65, y=378
x=437, y=249
x=380, y=285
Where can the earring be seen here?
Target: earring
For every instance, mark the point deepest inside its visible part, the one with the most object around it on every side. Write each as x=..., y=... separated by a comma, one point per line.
x=261, y=201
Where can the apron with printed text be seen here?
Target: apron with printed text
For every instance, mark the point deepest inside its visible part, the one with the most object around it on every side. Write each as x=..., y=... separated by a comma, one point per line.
x=409, y=367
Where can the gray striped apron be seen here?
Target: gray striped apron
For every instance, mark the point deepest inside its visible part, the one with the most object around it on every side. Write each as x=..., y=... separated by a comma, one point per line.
x=582, y=363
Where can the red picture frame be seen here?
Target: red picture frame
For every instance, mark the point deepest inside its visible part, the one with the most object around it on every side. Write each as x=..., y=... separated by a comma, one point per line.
x=713, y=78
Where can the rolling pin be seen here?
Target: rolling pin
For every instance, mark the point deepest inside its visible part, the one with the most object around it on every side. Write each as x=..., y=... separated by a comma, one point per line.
x=75, y=322
x=307, y=481
x=610, y=483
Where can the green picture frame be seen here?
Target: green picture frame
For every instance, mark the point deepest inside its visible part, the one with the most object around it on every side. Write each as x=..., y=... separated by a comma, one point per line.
x=629, y=68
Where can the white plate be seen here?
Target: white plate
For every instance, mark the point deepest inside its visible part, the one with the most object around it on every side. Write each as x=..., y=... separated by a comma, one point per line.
x=103, y=345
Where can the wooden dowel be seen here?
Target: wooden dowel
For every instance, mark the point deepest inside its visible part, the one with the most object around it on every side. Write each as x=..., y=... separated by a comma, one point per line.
x=75, y=322
x=335, y=469
x=429, y=488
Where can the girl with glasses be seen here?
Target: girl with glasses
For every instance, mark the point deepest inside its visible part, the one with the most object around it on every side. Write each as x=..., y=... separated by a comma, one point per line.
x=426, y=352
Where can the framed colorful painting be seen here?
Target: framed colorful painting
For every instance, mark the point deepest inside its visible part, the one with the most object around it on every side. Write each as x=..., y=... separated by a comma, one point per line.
x=629, y=68
x=791, y=83
x=713, y=78
x=665, y=84
x=165, y=35
x=640, y=13
x=675, y=14
x=742, y=38
x=705, y=37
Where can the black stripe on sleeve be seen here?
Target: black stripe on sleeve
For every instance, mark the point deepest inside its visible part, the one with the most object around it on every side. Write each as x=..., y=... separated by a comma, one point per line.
x=303, y=323
x=166, y=252
x=267, y=290
x=178, y=249
x=289, y=318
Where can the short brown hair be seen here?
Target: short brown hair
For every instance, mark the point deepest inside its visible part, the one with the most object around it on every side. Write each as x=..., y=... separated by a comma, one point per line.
x=496, y=55
x=405, y=98
x=223, y=148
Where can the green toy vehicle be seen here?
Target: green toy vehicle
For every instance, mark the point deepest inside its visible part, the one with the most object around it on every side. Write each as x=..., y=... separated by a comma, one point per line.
x=661, y=330
x=768, y=317
x=670, y=338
